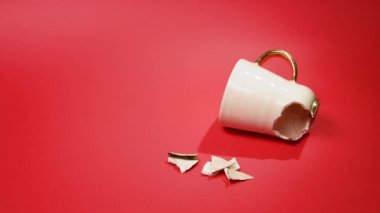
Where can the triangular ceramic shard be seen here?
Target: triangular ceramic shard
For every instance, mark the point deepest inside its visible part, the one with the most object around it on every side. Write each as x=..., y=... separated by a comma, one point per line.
x=236, y=175
x=183, y=161
x=183, y=156
x=206, y=169
x=217, y=164
x=233, y=164
x=219, y=160
x=212, y=168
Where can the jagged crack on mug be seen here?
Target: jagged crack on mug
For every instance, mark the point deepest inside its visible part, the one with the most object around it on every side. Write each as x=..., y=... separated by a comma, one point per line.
x=257, y=100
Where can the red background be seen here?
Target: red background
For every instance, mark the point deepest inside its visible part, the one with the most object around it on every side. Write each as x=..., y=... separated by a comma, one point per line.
x=95, y=93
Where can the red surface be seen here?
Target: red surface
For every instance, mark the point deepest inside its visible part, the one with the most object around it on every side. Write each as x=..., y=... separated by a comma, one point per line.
x=95, y=93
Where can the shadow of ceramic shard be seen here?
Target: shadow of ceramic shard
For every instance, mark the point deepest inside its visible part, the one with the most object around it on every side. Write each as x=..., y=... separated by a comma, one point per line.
x=236, y=143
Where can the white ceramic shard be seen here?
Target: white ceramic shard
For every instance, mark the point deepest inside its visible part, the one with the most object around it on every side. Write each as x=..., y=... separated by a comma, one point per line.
x=183, y=161
x=254, y=98
x=206, y=169
x=232, y=164
x=218, y=164
x=236, y=175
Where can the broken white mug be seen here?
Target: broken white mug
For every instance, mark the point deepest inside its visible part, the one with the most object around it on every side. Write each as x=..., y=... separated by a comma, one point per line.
x=257, y=100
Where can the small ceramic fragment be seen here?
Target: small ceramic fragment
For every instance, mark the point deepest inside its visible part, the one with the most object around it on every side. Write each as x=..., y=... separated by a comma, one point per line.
x=183, y=161
x=217, y=164
x=236, y=175
x=230, y=168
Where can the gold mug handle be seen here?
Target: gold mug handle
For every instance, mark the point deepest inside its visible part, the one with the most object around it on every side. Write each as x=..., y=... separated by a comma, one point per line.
x=284, y=54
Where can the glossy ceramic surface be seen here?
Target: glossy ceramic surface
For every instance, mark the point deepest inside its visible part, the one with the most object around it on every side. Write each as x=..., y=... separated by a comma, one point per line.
x=255, y=97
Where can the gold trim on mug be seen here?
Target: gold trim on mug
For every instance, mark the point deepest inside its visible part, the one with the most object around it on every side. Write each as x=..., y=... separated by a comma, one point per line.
x=314, y=108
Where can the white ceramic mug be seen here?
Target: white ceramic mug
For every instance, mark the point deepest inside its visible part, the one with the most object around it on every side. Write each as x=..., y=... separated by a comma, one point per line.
x=258, y=100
